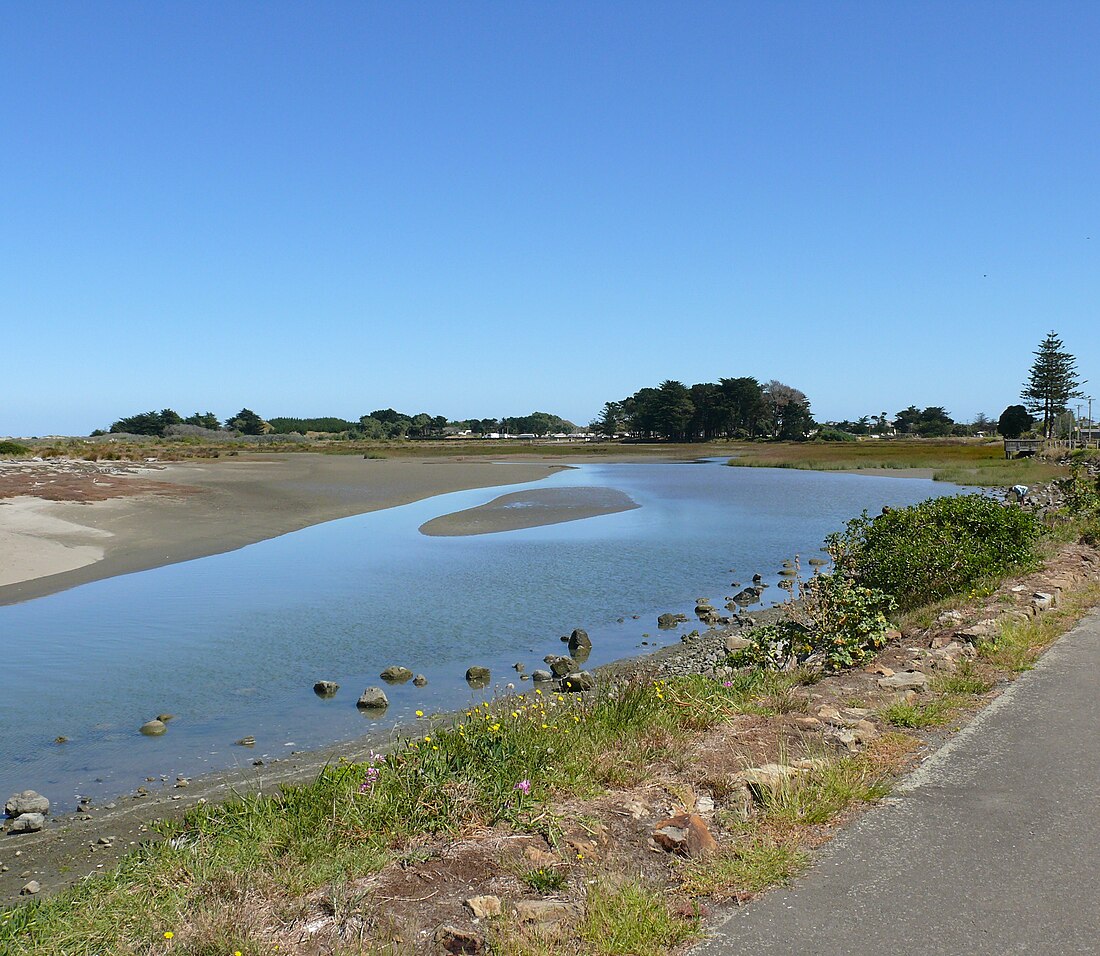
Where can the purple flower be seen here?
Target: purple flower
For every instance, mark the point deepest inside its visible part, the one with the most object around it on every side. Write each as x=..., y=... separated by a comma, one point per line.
x=524, y=786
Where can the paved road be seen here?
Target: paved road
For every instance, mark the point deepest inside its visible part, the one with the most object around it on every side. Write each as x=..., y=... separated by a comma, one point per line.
x=991, y=847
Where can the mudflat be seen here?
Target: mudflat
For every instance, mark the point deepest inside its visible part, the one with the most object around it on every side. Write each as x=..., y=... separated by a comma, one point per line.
x=530, y=509
x=107, y=523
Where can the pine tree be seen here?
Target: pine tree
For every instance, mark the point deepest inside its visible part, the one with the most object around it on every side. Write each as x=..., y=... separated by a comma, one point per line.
x=1052, y=381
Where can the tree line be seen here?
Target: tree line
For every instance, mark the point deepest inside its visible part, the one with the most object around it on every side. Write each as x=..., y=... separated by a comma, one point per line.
x=379, y=424
x=729, y=408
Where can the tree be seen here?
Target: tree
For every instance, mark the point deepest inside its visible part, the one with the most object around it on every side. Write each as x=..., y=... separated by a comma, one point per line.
x=673, y=409
x=1014, y=421
x=147, y=423
x=247, y=422
x=205, y=420
x=610, y=421
x=788, y=410
x=1052, y=381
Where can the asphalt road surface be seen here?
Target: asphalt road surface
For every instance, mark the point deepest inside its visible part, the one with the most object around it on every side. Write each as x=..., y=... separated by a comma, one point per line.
x=991, y=847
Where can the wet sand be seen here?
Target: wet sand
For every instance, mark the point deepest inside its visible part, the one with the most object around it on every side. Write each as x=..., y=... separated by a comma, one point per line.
x=530, y=509
x=188, y=510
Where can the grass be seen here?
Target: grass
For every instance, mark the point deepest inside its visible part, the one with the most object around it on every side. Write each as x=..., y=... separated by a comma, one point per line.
x=632, y=919
x=746, y=868
x=918, y=716
x=962, y=461
x=506, y=763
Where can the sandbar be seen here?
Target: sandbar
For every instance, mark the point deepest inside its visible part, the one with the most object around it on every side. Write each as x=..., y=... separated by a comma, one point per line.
x=179, y=511
x=530, y=509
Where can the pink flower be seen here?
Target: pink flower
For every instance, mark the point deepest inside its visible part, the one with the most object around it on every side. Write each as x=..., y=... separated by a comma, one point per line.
x=524, y=786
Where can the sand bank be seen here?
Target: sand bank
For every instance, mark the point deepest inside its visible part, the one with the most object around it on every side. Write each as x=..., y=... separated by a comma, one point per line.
x=530, y=509
x=188, y=510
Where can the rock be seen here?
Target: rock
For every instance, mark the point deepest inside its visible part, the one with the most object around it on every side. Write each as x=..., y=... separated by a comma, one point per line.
x=579, y=638
x=31, y=888
x=153, y=728
x=686, y=834
x=396, y=674
x=769, y=776
x=373, y=698
x=560, y=666
x=735, y=643
x=484, y=906
x=541, y=675
x=519, y=667
x=326, y=688
x=546, y=911
x=61, y=739
x=667, y=622
x=581, y=681
x=28, y=801
x=248, y=741
x=453, y=940
x=905, y=680
x=27, y=823
x=478, y=676
x=420, y=681
x=164, y=718
x=1042, y=601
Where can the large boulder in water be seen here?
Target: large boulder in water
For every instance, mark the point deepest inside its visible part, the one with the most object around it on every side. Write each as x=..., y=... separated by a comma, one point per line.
x=666, y=622
x=396, y=674
x=153, y=728
x=373, y=698
x=326, y=688
x=579, y=638
x=477, y=677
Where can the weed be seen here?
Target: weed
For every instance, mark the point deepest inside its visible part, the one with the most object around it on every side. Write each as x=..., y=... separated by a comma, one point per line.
x=746, y=868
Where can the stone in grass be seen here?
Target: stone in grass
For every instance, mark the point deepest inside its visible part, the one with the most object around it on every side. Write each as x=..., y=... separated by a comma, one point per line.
x=904, y=680
x=28, y=801
x=27, y=823
x=326, y=688
x=686, y=834
x=31, y=888
x=578, y=682
x=153, y=728
x=483, y=907
x=453, y=940
x=373, y=698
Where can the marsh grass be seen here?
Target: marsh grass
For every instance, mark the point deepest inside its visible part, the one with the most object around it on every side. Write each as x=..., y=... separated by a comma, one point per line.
x=971, y=462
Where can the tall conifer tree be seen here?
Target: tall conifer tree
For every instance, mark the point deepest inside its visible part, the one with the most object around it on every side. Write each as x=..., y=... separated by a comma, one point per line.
x=1052, y=381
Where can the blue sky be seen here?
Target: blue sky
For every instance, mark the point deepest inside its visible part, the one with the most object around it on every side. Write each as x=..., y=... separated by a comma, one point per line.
x=478, y=209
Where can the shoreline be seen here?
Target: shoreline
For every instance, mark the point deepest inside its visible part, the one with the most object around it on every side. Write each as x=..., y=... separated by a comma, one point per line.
x=187, y=510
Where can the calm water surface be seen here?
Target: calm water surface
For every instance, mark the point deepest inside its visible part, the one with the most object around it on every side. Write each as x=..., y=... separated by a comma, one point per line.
x=232, y=644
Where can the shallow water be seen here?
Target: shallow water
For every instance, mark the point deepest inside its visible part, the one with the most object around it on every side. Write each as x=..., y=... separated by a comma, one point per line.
x=232, y=644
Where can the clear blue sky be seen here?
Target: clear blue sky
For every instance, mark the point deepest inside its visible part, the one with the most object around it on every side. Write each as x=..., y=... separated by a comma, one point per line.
x=478, y=209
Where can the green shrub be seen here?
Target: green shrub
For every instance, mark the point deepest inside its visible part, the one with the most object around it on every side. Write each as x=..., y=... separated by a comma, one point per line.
x=837, y=623
x=13, y=448
x=934, y=549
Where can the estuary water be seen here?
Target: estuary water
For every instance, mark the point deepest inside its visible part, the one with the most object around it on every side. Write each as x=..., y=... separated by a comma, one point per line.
x=232, y=644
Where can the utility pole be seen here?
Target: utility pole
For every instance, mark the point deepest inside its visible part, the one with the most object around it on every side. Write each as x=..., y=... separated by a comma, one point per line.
x=1089, y=397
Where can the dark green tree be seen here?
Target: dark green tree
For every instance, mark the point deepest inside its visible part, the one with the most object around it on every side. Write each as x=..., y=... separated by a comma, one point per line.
x=204, y=420
x=1014, y=421
x=1052, y=382
x=673, y=411
x=247, y=422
